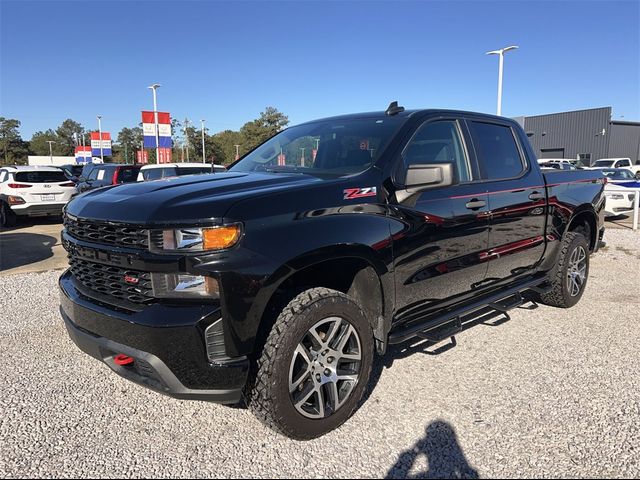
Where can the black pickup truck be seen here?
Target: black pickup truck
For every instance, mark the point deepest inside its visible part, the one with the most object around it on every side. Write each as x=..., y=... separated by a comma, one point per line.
x=279, y=280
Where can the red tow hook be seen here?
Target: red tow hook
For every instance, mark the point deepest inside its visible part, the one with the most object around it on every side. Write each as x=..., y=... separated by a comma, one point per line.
x=123, y=360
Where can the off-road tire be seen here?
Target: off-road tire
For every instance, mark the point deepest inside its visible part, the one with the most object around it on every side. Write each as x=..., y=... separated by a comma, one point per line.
x=559, y=295
x=267, y=391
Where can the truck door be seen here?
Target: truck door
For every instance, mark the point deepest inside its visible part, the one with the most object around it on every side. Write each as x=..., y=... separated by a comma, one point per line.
x=442, y=232
x=517, y=199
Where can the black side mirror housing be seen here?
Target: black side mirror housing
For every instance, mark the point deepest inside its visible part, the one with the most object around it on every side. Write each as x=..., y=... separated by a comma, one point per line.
x=421, y=177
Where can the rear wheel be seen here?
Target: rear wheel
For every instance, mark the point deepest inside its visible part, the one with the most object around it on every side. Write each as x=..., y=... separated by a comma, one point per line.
x=569, y=277
x=7, y=217
x=315, y=365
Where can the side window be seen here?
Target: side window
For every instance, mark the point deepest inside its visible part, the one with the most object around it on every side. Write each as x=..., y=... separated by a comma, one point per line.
x=497, y=150
x=152, y=174
x=438, y=142
x=624, y=163
x=127, y=175
x=93, y=175
x=169, y=172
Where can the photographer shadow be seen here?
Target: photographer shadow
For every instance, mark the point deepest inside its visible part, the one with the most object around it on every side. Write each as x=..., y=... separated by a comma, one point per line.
x=443, y=454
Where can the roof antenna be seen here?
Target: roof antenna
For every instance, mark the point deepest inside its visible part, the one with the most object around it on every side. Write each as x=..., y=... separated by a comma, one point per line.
x=394, y=109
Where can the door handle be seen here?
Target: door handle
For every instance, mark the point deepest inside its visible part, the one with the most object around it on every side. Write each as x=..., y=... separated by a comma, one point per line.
x=536, y=196
x=475, y=204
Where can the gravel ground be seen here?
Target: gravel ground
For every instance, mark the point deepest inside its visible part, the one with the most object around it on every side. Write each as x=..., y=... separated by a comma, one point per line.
x=550, y=393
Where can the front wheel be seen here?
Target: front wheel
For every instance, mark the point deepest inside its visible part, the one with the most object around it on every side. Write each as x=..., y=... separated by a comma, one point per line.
x=314, y=367
x=569, y=276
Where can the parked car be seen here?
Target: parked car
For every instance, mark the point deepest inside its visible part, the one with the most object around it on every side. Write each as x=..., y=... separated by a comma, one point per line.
x=32, y=191
x=280, y=282
x=166, y=170
x=557, y=163
x=617, y=163
x=104, y=174
x=619, y=201
x=73, y=171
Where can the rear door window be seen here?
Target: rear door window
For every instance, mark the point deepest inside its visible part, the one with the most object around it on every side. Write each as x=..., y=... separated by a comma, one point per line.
x=497, y=151
x=41, y=177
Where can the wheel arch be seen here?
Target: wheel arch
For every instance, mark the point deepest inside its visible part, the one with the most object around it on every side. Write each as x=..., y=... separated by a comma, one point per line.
x=585, y=221
x=353, y=270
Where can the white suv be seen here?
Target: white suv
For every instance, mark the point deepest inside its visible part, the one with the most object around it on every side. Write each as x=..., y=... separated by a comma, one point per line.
x=32, y=191
x=168, y=170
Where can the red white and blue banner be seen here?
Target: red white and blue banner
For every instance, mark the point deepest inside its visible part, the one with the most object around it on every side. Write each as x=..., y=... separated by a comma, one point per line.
x=83, y=154
x=98, y=143
x=149, y=130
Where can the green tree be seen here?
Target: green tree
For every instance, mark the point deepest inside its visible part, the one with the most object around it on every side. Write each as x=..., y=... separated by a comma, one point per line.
x=270, y=122
x=12, y=147
x=69, y=133
x=39, y=146
x=129, y=140
x=227, y=141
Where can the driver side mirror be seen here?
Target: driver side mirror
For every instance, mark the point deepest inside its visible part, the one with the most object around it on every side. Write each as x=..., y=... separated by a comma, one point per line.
x=421, y=177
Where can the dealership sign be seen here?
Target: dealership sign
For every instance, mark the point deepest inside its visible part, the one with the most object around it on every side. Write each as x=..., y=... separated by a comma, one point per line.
x=100, y=146
x=149, y=130
x=83, y=154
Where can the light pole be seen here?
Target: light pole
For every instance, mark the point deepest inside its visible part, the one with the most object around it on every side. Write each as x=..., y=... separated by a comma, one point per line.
x=154, y=87
x=202, y=127
x=186, y=136
x=100, y=134
x=500, y=53
x=51, y=150
x=237, y=151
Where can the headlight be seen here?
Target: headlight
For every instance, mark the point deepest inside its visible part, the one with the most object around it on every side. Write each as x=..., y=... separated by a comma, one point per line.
x=196, y=239
x=615, y=196
x=179, y=285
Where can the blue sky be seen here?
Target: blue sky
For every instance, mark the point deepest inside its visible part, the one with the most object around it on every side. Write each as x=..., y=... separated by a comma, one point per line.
x=226, y=61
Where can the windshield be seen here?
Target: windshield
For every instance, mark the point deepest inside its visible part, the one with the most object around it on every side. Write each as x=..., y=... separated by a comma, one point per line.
x=329, y=149
x=603, y=163
x=618, y=174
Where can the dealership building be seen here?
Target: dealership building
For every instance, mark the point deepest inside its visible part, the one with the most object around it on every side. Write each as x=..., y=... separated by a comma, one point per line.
x=585, y=135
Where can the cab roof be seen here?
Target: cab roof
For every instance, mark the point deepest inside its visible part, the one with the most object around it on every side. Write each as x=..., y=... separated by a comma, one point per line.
x=408, y=114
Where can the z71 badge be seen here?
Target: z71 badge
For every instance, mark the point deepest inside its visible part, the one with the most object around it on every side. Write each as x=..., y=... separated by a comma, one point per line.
x=353, y=193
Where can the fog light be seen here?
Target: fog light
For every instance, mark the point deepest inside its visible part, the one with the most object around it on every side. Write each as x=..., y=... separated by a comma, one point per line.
x=13, y=200
x=171, y=285
x=214, y=338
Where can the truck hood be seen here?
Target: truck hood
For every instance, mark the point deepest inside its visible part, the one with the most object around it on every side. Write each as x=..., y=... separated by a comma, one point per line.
x=181, y=200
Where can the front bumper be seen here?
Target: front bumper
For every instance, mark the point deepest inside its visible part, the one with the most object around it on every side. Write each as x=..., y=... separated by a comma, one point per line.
x=165, y=342
x=38, y=209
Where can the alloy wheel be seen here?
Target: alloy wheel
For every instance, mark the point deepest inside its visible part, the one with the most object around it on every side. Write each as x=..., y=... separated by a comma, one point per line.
x=577, y=271
x=325, y=367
